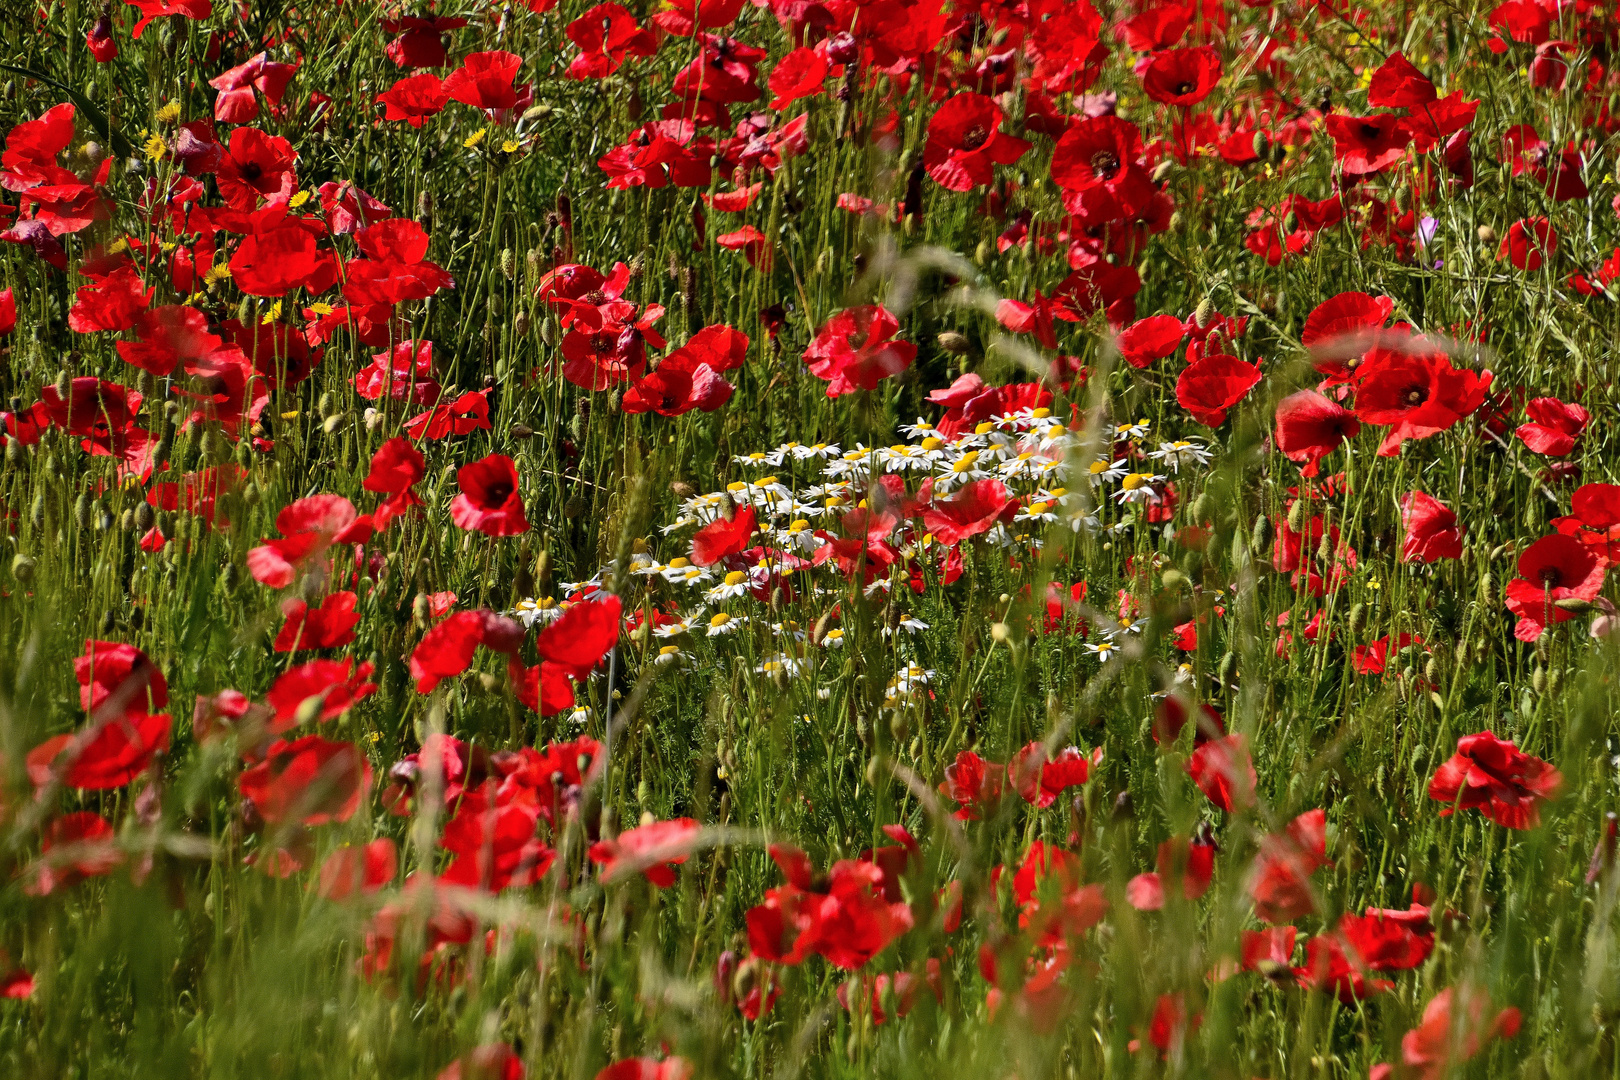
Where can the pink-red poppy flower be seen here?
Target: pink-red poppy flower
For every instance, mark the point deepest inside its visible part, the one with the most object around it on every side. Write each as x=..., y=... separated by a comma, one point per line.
x=1212, y=385
x=490, y=501
x=1311, y=426
x=1432, y=531
x=107, y=754
x=1224, y=772
x=1553, y=569
x=1555, y=426
x=578, y=640
x=318, y=691
x=973, y=509
x=1182, y=77
x=965, y=143
x=307, y=781
x=1496, y=778
x=655, y=849
x=484, y=80
x=1529, y=243
x=1279, y=881
x=362, y=870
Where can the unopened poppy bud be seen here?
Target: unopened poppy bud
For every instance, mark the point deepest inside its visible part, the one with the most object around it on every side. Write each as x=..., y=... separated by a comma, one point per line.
x=1538, y=679
x=1486, y=584
x=1202, y=312
x=508, y=263
x=422, y=610
x=1174, y=579
x=953, y=342
x=145, y=517
x=81, y=510
x=22, y=567
x=16, y=453
x=1124, y=806
x=1358, y=618
x=682, y=489
x=126, y=521
x=522, y=431
x=1574, y=605
x=1262, y=533
x=1203, y=507
x=328, y=404
x=332, y=424
x=1296, y=516
x=984, y=252
x=165, y=525
x=1162, y=171
x=36, y=513
x=1229, y=664
x=1431, y=670
x=520, y=325
x=1487, y=235
x=64, y=384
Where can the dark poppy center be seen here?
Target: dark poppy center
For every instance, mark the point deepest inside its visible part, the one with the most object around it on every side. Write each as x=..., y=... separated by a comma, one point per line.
x=252, y=171
x=1185, y=87
x=1551, y=575
x=975, y=138
x=1105, y=163
x=498, y=492
x=858, y=338
x=595, y=297
x=1415, y=396
x=1371, y=132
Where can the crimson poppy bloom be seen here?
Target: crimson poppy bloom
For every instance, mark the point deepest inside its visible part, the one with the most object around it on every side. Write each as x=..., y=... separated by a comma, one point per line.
x=420, y=41
x=578, y=640
x=1455, y=1028
x=307, y=781
x=1432, y=532
x=396, y=468
x=1149, y=339
x=257, y=166
x=1279, y=882
x=115, y=677
x=74, y=847
x=965, y=143
x=1040, y=781
x=1182, y=77
x=492, y=1061
x=489, y=502
x=364, y=869
x=1496, y=778
x=655, y=849
x=1417, y=395
x=1224, y=772
x=484, y=80
x=1552, y=569
x=1365, y=145
x=447, y=650
x=1340, y=326
x=647, y=1068
x=1387, y=944
x=318, y=691
x=1328, y=968
x=1310, y=426
x=974, y=783
x=495, y=843
x=1212, y=385
x=544, y=688
x=115, y=302
x=326, y=627
x=722, y=538
x=108, y=754
x=606, y=35
x=1190, y=862
x=1529, y=243
x=1396, y=84
x=843, y=917
x=414, y=98
x=1555, y=426
x=973, y=509
x=799, y=74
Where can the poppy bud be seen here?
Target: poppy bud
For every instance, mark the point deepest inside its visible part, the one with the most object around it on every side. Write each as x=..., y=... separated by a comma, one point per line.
x=1538, y=679
x=81, y=510
x=1202, y=312
x=1229, y=664
x=126, y=521
x=508, y=263
x=533, y=259
x=36, y=513
x=165, y=525
x=520, y=325
x=1358, y=618
x=1124, y=806
x=1262, y=533
x=16, y=453
x=1487, y=235
x=145, y=517
x=1162, y=171
x=1173, y=579
x=64, y=385
x=333, y=424
x=1296, y=516
x=1486, y=585
x=1573, y=604
x=22, y=568
x=682, y=489
x=1431, y=670
x=953, y=342
x=1202, y=507
x=104, y=519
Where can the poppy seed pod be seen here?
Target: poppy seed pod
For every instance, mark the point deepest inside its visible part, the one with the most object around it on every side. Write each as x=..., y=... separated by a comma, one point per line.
x=1296, y=516
x=22, y=567
x=145, y=517
x=1261, y=535
x=520, y=325
x=508, y=263
x=1229, y=666
x=1357, y=620
x=953, y=342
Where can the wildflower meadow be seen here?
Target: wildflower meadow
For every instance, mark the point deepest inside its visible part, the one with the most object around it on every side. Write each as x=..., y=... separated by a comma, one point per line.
x=684, y=539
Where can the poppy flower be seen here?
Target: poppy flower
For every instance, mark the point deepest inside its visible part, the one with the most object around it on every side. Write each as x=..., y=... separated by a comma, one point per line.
x=678, y=385
x=722, y=538
x=1455, y=1028
x=1339, y=326
x=490, y=501
x=579, y=639
x=1096, y=152
x=1330, y=969
x=1384, y=943
x=1529, y=243
x=544, y=688
x=606, y=35
x=1040, y=781
x=1224, y=772
x=235, y=103
x=414, y=98
x=108, y=754
x=115, y=677
x=844, y=917
x=1182, y=77
x=1432, y=532
x=8, y=311
x=655, y=849
x=1496, y=778
x=1396, y=84
x=168, y=336
x=1365, y=145
x=396, y=468
x=1269, y=951
x=1279, y=881
x=307, y=781
x=1552, y=569
x=799, y=74
x=1310, y=426
x=420, y=41
x=1418, y=395
x=469, y=412
x=115, y=302
x=326, y=627
x=495, y=843
x=1554, y=428
x=973, y=509
x=647, y=1069
x=363, y=869
x=1149, y=339
x=492, y=1061
x=309, y=528
x=1193, y=863
x=1212, y=385
x=447, y=649
x=197, y=10
x=974, y=783
x=74, y=847
x=326, y=683
x=484, y=80
x=257, y=166
x=280, y=258
x=965, y=143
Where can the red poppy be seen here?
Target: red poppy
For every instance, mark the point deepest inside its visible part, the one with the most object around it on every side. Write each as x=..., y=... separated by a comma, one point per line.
x=843, y=917
x=484, y=80
x=492, y=1061
x=1432, y=532
x=257, y=166
x=420, y=41
x=799, y=74
x=1279, y=882
x=490, y=501
x=655, y=849
x=74, y=847
x=1529, y=243
x=396, y=468
x=115, y=302
x=1149, y=339
x=1552, y=569
x=1418, y=395
x=1555, y=426
x=974, y=783
x=965, y=143
x=1040, y=781
x=107, y=754
x=402, y=373
x=578, y=640
x=1224, y=772
x=447, y=650
x=309, y=527
x=307, y=781
x=1310, y=426
x=1340, y=326
x=971, y=510
x=166, y=336
x=722, y=538
x=606, y=35
x=414, y=98
x=469, y=412
x=326, y=627
x=1387, y=944
x=544, y=688
x=1329, y=968
x=1498, y=779
x=680, y=384
x=1192, y=862
x=364, y=869
x=1269, y=951
x=1365, y=145
x=1100, y=153
x=283, y=257
x=1182, y=77
x=495, y=843
x=8, y=311
x=318, y=691
x=235, y=103
x=1455, y=1028
x=647, y=1068
x=116, y=678
x=683, y=18
x=1212, y=385
x=1396, y=84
